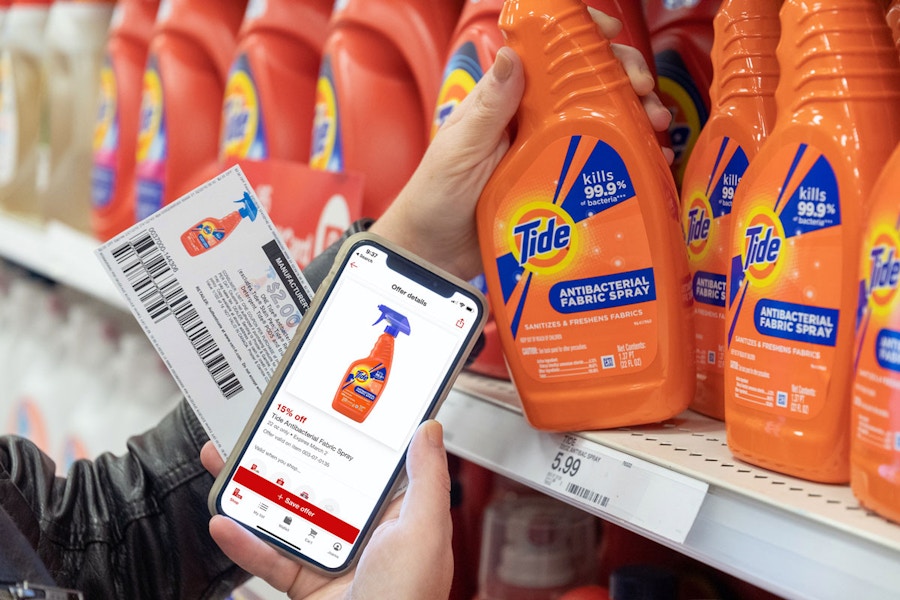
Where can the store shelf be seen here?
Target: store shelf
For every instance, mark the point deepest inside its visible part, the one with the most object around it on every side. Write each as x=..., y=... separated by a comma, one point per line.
x=60, y=253
x=791, y=537
x=794, y=538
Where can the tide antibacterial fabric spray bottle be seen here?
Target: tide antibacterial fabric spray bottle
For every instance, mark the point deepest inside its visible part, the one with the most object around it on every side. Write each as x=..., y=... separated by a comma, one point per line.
x=472, y=50
x=580, y=236
x=793, y=283
x=875, y=408
x=117, y=117
x=365, y=379
x=212, y=231
x=742, y=97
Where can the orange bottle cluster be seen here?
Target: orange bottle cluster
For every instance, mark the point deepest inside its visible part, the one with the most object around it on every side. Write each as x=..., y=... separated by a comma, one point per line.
x=783, y=256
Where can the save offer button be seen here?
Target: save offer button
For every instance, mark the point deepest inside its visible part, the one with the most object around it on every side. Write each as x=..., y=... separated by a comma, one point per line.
x=296, y=505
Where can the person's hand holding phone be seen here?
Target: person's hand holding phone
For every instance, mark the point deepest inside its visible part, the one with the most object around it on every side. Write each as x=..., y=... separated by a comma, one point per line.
x=408, y=556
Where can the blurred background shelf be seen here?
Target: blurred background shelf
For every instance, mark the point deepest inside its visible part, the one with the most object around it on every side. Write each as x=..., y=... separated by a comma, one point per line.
x=59, y=253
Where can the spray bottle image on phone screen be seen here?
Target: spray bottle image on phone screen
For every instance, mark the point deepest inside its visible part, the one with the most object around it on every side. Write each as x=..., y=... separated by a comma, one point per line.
x=366, y=378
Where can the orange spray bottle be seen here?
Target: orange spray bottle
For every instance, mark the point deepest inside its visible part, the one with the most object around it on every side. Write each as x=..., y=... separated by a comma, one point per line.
x=580, y=237
x=365, y=379
x=875, y=410
x=378, y=83
x=472, y=50
x=116, y=124
x=742, y=96
x=190, y=52
x=793, y=284
x=212, y=231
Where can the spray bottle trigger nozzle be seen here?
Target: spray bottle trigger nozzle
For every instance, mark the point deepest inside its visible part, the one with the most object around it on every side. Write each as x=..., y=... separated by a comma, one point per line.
x=397, y=323
x=249, y=210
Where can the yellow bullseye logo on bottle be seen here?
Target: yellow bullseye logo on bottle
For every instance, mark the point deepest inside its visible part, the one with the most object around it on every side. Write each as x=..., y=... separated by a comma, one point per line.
x=240, y=118
x=106, y=110
x=764, y=243
x=458, y=84
x=542, y=237
x=882, y=264
x=151, y=113
x=324, y=125
x=362, y=375
x=697, y=221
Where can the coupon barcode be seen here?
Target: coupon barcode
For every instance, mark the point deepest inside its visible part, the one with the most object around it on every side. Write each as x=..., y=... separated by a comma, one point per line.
x=586, y=494
x=149, y=275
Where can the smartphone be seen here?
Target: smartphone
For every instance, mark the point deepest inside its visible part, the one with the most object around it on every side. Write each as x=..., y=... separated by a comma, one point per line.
x=376, y=353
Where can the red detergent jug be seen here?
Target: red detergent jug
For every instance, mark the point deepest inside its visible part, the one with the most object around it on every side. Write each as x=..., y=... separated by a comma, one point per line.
x=116, y=125
x=681, y=32
x=190, y=52
x=378, y=85
x=266, y=122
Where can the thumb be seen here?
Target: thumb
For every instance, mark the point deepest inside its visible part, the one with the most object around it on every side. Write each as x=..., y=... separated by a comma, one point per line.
x=427, y=499
x=477, y=127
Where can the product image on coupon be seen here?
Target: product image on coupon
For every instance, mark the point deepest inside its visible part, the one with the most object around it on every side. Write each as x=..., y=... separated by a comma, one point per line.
x=211, y=231
x=362, y=385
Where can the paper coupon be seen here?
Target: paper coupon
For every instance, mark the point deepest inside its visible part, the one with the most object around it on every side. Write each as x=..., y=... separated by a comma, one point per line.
x=210, y=282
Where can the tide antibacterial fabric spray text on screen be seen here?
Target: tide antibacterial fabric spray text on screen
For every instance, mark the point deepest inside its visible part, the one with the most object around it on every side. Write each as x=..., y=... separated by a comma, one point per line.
x=580, y=239
x=797, y=221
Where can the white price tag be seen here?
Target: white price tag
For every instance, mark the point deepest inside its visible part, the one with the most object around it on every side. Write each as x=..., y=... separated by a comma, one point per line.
x=604, y=481
x=598, y=479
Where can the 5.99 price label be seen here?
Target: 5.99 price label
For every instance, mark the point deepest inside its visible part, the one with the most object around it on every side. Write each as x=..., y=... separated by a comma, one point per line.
x=609, y=483
x=564, y=469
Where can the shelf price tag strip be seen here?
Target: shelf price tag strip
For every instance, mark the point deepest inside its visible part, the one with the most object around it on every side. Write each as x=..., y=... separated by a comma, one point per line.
x=600, y=480
x=604, y=481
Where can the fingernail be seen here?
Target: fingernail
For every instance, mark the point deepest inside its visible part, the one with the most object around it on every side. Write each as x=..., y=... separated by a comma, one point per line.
x=503, y=65
x=434, y=433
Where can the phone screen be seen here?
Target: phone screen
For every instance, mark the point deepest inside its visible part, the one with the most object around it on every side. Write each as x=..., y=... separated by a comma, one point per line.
x=330, y=442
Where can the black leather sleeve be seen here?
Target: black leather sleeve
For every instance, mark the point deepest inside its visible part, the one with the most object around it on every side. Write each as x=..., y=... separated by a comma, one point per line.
x=131, y=526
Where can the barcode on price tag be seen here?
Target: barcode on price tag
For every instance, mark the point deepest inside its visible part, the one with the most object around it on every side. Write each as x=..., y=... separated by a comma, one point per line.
x=588, y=495
x=220, y=317
x=607, y=482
